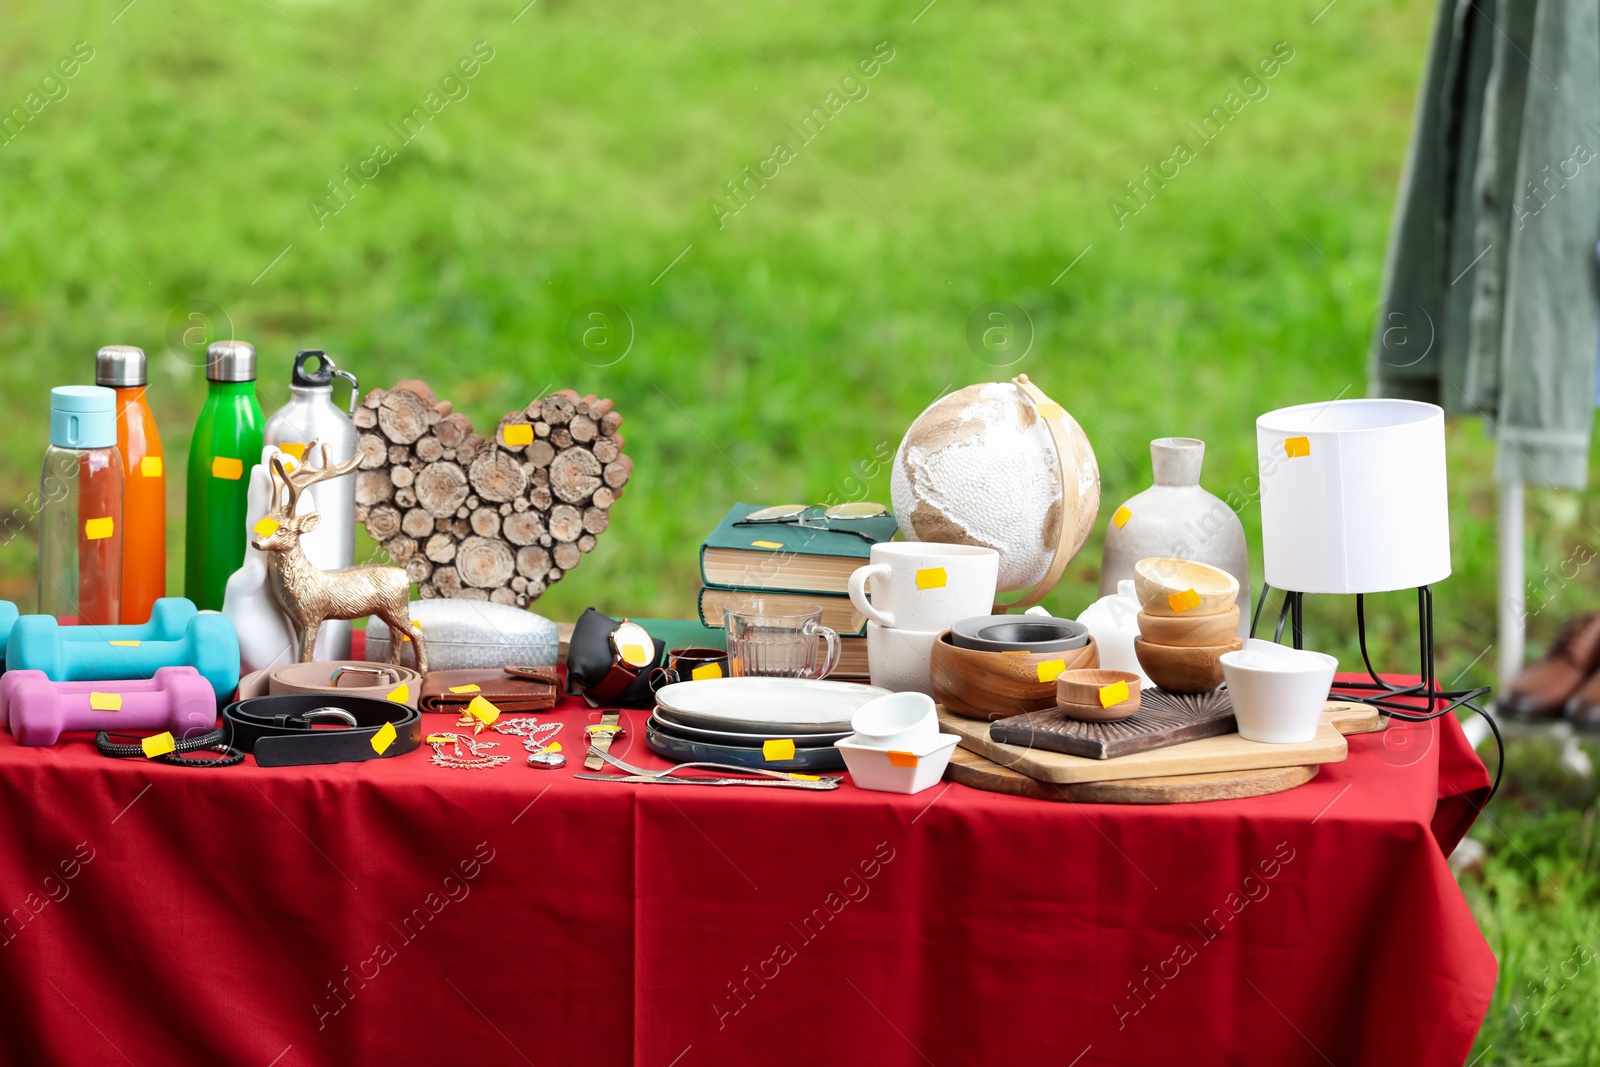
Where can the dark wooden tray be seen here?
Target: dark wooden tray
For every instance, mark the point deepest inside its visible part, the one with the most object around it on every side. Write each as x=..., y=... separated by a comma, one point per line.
x=1163, y=719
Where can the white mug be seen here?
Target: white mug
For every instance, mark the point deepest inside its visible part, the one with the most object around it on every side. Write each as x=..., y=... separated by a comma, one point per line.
x=918, y=585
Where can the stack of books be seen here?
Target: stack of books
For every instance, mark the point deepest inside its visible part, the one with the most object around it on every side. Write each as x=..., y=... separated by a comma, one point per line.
x=787, y=565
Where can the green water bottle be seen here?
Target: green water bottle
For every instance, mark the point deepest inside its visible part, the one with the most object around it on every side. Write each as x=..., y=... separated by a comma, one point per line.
x=225, y=448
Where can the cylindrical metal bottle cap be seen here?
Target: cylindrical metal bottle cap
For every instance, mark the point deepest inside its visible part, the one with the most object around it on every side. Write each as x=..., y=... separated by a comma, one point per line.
x=231, y=361
x=120, y=366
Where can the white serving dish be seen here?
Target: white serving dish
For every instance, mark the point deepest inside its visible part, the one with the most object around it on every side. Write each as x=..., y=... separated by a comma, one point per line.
x=899, y=721
x=1278, y=692
x=896, y=771
x=765, y=705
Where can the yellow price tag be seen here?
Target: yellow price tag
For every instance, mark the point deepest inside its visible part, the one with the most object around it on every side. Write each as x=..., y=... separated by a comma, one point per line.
x=1294, y=447
x=99, y=529
x=806, y=777
x=931, y=578
x=126, y=644
x=767, y=544
x=777, y=751
x=400, y=695
x=483, y=710
x=902, y=759
x=1120, y=517
x=1182, y=602
x=1051, y=669
x=266, y=527
x=1115, y=693
x=227, y=468
x=635, y=654
x=518, y=434
x=159, y=745
x=383, y=738
x=465, y=689
x=105, y=701
x=297, y=449
x=705, y=671
x=1050, y=410
x=417, y=625
x=554, y=746
x=151, y=467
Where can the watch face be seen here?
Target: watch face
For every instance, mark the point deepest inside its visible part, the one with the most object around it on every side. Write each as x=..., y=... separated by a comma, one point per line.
x=633, y=644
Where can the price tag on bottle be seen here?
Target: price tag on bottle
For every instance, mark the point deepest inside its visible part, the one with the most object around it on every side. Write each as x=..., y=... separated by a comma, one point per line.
x=297, y=449
x=99, y=529
x=227, y=468
x=151, y=467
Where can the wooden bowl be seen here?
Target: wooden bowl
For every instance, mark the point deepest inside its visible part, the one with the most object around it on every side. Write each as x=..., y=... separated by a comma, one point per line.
x=1183, y=670
x=993, y=685
x=1078, y=695
x=1190, y=631
x=1160, y=577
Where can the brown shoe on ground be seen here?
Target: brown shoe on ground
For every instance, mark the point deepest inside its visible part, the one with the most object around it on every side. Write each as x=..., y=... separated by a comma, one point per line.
x=1544, y=686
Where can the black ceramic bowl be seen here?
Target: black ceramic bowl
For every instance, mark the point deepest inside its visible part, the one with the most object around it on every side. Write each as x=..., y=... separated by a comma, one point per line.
x=1019, y=633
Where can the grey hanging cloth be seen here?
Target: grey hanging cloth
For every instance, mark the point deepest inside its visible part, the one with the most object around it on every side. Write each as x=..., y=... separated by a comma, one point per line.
x=1490, y=287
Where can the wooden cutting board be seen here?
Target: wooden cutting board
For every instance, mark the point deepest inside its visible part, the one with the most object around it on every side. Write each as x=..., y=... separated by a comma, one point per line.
x=1163, y=719
x=1227, y=753
x=973, y=770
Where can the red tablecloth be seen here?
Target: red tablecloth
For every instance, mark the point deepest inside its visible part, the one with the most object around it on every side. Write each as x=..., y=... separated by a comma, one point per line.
x=398, y=912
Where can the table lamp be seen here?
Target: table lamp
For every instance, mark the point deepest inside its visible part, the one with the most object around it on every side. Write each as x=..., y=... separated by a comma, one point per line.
x=1353, y=501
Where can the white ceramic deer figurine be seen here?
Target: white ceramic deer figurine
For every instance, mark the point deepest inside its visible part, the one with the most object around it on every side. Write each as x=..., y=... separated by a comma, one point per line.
x=310, y=595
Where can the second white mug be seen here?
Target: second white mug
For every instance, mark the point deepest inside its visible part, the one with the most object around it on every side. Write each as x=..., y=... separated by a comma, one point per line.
x=918, y=585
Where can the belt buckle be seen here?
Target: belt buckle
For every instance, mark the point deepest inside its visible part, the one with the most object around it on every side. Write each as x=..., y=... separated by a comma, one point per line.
x=331, y=713
x=382, y=675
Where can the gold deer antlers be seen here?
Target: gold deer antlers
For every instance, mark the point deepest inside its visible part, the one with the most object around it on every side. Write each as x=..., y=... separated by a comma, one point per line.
x=309, y=595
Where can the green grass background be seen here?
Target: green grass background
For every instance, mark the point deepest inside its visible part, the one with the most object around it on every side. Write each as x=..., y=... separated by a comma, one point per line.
x=798, y=339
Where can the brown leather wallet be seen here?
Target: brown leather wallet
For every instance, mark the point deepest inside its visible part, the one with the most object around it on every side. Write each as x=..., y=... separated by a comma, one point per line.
x=532, y=689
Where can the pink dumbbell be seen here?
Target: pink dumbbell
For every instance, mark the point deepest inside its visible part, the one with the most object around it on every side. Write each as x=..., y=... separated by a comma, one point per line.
x=37, y=711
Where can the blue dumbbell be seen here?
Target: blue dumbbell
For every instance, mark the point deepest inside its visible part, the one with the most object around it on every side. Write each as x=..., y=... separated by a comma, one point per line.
x=8, y=619
x=169, y=617
x=208, y=643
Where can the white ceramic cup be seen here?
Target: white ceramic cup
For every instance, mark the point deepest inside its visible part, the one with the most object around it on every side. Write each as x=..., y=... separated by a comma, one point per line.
x=900, y=660
x=1278, y=692
x=901, y=721
x=917, y=585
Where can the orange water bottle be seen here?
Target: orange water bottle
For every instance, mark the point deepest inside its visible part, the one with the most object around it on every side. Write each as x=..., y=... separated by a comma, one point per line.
x=122, y=368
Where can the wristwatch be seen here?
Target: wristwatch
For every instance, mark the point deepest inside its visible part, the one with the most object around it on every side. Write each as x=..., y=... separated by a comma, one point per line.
x=601, y=734
x=632, y=652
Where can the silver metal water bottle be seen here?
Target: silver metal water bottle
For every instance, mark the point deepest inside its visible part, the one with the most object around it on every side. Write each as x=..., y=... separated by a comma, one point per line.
x=311, y=415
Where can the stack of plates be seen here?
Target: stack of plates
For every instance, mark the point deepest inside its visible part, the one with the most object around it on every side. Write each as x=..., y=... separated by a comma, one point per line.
x=732, y=720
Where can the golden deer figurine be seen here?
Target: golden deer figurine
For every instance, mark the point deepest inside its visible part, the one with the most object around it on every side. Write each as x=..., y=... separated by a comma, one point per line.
x=310, y=595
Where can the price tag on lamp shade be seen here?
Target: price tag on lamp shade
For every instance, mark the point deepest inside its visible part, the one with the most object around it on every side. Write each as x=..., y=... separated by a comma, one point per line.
x=99, y=529
x=383, y=738
x=1295, y=447
x=227, y=468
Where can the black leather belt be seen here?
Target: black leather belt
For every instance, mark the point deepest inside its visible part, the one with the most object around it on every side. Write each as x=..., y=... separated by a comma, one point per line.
x=280, y=730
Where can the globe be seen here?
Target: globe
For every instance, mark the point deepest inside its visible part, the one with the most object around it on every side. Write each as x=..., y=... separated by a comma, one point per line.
x=980, y=467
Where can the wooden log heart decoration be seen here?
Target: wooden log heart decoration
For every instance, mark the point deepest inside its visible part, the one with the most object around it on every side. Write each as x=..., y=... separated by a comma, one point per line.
x=496, y=519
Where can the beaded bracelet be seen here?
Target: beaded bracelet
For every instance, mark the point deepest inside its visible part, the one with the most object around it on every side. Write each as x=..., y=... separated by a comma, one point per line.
x=211, y=742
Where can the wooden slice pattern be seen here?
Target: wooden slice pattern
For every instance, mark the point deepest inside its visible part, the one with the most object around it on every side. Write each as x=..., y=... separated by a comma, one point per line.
x=487, y=518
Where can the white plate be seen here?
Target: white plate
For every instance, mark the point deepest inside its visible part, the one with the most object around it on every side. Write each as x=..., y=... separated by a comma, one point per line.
x=761, y=705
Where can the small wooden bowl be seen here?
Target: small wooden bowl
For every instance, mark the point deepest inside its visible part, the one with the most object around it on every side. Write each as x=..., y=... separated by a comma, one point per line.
x=1078, y=695
x=993, y=685
x=1183, y=670
x=1190, y=631
x=1160, y=577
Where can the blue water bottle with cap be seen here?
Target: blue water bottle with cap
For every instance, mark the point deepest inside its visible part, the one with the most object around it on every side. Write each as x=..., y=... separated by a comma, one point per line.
x=80, y=509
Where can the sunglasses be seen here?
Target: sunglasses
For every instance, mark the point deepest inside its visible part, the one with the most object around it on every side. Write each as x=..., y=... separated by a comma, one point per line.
x=801, y=515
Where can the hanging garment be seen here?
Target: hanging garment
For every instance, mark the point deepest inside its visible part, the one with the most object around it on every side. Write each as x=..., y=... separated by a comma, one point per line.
x=1490, y=287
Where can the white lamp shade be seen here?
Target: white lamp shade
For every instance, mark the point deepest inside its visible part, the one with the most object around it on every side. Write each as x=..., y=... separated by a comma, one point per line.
x=1353, y=496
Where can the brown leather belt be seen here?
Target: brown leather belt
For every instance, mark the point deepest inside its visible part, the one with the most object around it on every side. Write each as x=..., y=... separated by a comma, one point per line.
x=345, y=677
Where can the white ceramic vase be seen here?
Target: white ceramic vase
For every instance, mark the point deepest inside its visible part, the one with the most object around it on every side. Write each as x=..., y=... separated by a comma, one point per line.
x=1175, y=517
